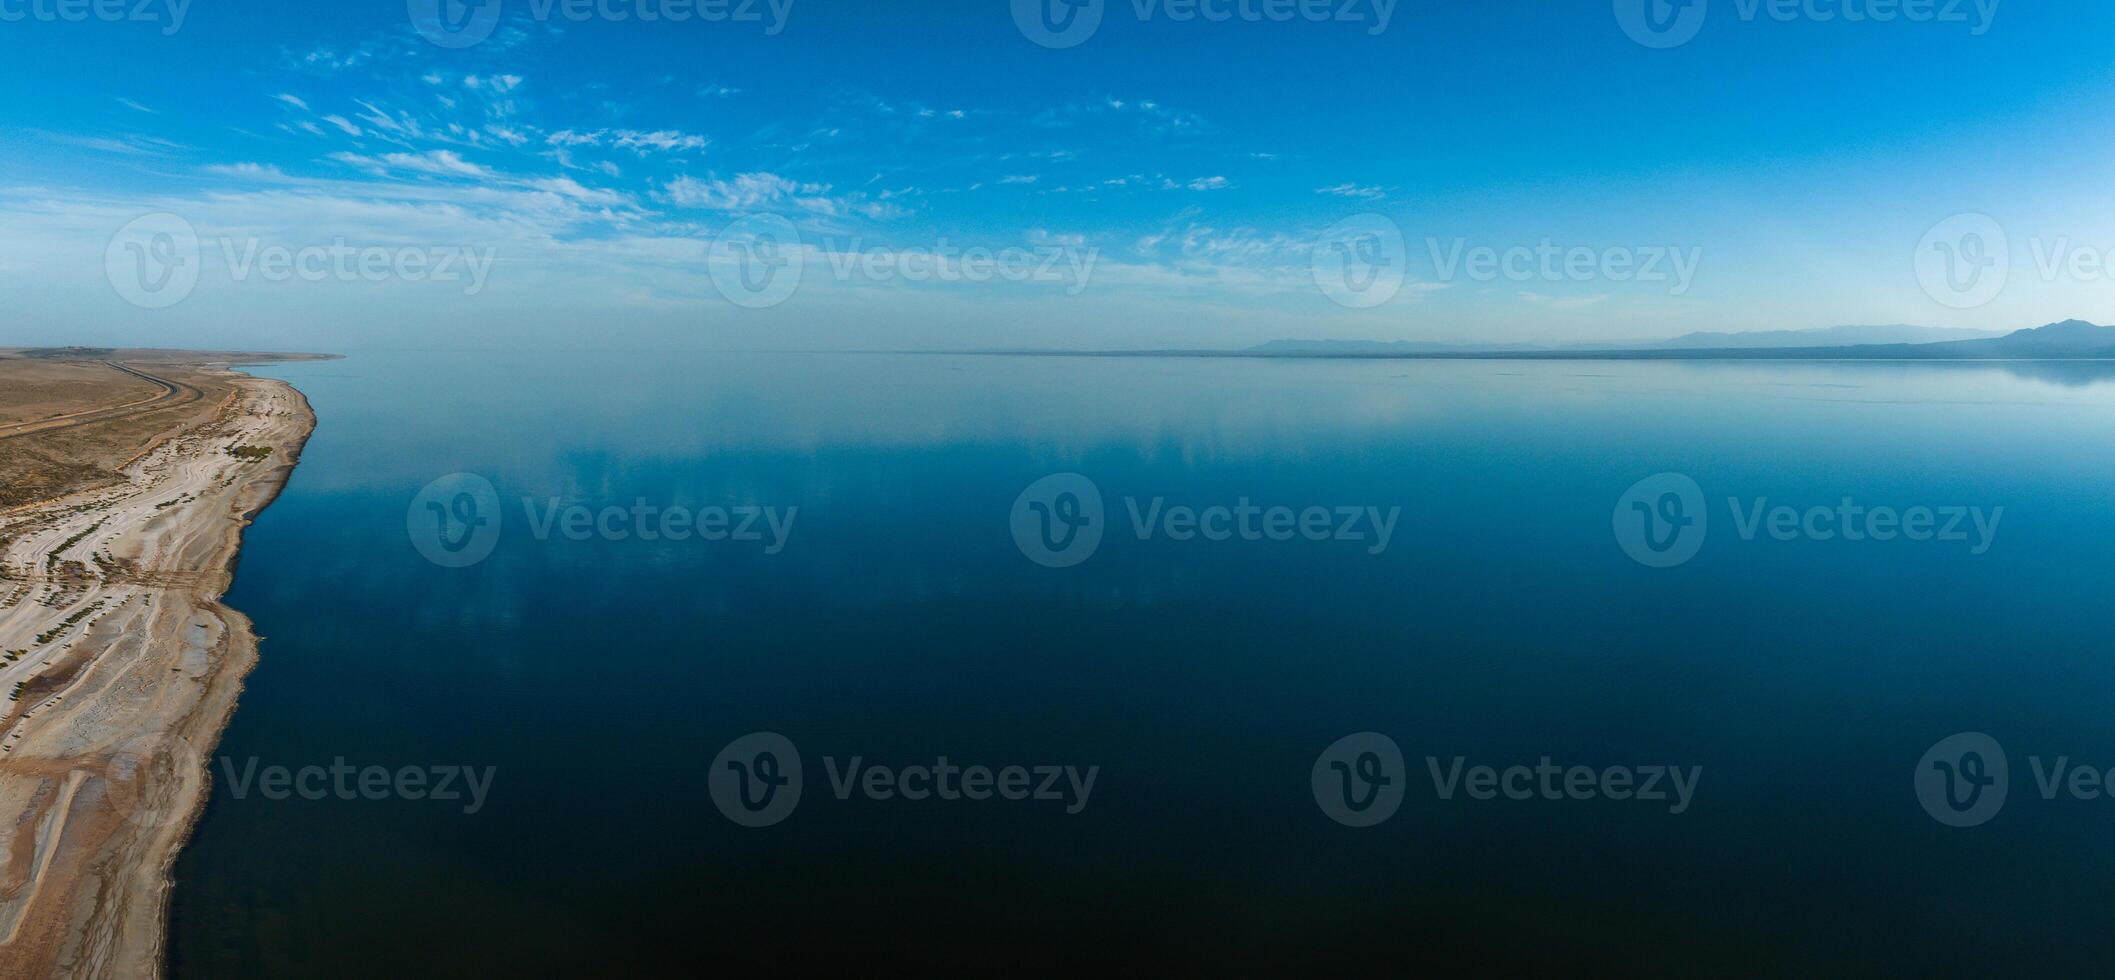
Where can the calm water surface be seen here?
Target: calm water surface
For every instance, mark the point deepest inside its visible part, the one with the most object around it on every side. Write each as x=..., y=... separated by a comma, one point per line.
x=1501, y=624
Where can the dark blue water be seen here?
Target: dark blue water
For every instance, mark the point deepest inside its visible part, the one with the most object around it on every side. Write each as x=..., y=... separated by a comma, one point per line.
x=1502, y=623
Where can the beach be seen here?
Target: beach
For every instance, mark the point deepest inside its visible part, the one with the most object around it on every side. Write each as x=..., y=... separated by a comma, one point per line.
x=121, y=664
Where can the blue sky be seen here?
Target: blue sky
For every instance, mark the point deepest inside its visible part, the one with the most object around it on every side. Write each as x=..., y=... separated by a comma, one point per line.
x=1165, y=182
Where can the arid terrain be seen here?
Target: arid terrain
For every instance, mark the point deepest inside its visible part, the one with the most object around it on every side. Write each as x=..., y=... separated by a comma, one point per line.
x=126, y=478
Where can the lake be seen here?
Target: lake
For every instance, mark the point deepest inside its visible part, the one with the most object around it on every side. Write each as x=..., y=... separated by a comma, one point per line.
x=1362, y=658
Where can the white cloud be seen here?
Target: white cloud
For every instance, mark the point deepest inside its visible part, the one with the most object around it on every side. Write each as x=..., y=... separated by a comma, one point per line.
x=567, y=137
x=769, y=191
x=442, y=163
x=328, y=60
x=495, y=83
x=400, y=125
x=130, y=144
x=568, y=187
x=745, y=192
x=1353, y=190
x=255, y=171
x=292, y=100
x=638, y=141
x=665, y=140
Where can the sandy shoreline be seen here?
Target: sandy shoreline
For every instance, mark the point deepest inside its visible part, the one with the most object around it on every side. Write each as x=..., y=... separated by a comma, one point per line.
x=124, y=668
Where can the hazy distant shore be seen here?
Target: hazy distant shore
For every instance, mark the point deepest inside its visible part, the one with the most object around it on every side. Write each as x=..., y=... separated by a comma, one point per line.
x=2070, y=340
x=1825, y=354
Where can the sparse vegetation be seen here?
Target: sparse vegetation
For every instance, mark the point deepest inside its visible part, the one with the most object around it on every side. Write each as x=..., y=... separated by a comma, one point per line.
x=55, y=632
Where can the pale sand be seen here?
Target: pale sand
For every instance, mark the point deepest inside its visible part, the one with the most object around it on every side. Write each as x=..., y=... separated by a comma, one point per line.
x=103, y=756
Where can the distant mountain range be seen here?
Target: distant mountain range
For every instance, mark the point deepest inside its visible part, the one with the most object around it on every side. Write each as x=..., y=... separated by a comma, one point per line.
x=2071, y=338
x=1892, y=333
x=2066, y=340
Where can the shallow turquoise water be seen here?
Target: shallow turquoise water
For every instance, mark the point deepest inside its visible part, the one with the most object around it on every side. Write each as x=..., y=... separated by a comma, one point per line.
x=1503, y=622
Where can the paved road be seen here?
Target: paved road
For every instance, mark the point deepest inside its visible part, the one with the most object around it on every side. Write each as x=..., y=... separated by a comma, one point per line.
x=173, y=393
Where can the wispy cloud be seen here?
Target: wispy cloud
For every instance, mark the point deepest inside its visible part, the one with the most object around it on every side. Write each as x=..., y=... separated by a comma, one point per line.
x=330, y=60
x=1353, y=190
x=128, y=144
x=493, y=83
x=442, y=163
x=745, y=192
x=771, y=192
x=247, y=171
x=567, y=137
x=664, y=140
